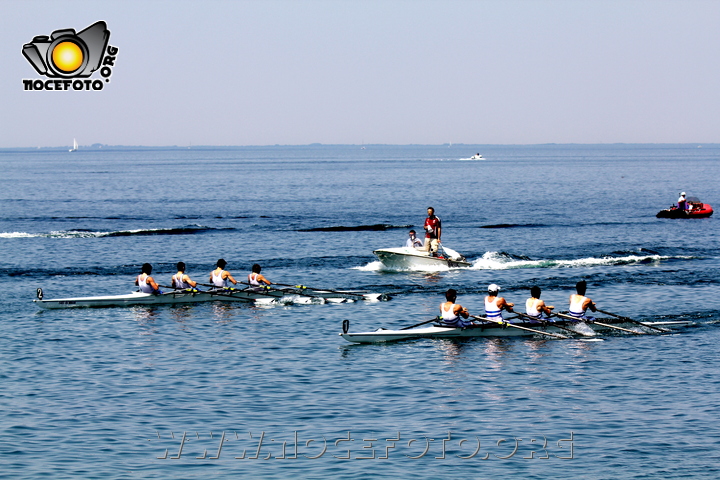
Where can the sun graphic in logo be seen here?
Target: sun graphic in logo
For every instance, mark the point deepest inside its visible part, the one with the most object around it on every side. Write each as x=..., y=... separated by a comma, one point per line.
x=67, y=56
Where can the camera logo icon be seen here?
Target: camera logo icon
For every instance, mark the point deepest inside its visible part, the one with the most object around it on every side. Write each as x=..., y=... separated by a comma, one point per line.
x=67, y=54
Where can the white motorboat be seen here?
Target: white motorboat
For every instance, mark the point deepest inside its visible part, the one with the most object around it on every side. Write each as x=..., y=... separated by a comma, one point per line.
x=477, y=156
x=557, y=329
x=407, y=258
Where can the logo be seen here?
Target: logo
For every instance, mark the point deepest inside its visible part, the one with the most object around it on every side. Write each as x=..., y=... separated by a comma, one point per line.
x=69, y=58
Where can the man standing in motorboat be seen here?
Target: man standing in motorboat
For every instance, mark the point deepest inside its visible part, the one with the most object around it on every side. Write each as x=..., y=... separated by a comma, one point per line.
x=579, y=303
x=145, y=282
x=534, y=307
x=181, y=280
x=219, y=277
x=494, y=305
x=453, y=313
x=433, y=231
x=682, y=202
x=413, y=241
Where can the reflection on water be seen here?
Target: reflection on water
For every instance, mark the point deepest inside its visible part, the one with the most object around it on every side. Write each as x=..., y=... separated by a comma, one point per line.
x=146, y=318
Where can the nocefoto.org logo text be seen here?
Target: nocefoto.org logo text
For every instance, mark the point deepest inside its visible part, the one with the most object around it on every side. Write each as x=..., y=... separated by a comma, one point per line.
x=68, y=58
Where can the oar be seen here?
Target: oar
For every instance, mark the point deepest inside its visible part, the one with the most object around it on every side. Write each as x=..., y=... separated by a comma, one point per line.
x=546, y=323
x=663, y=330
x=303, y=287
x=283, y=290
x=422, y=323
x=613, y=327
x=186, y=290
x=223, y=292
x=508, y=324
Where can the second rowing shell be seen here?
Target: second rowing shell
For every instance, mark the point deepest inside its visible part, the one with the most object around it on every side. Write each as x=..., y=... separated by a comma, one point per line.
x=483, y=330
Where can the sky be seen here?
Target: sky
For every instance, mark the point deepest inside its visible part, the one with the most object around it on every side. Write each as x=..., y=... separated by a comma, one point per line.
x=295, y=72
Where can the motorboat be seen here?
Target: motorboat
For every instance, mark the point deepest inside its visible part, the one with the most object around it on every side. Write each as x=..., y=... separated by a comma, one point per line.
x=408, y=258
x=477, y=156
x=695, y=209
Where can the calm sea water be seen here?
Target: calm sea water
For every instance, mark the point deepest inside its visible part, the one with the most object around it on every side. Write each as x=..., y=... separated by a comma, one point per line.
x=155, y=392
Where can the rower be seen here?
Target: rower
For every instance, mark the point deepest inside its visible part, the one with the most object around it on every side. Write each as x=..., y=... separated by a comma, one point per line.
x=145, y=282
x=579, y=303
x=219, y=277
x=181, y=280
x=255, y=278
x=534, y=307
x=451, y=311
x=494, y=305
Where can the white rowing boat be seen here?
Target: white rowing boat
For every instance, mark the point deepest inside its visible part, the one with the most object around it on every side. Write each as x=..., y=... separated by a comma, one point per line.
x=167, y=298
x=266, y=295
x=488, y=330
x=407, y=258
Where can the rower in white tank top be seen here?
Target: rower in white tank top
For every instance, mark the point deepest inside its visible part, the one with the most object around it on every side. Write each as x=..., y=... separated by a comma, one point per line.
x=576, y=305
x=494, y=305
x=217, y=279
x=179, y=282
x=579, y=303
x=531, y=307
x=220, y=277
x=448, y=315
x=448, y=311
x=256, y=279
x=143, y=285
x=145, y=282
x=534, y=307
x=492, y=311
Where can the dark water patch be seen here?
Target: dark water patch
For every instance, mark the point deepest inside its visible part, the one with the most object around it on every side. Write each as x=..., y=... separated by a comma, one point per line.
x=508, y=225
x=357, y=228
x=162, y=231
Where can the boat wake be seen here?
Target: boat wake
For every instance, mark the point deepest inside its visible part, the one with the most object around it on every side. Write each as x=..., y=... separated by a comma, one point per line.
x=378, y=266
x=292, y=300
x=506, y=261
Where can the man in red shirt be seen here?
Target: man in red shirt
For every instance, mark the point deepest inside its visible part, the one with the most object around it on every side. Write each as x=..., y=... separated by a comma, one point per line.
x=433, y=230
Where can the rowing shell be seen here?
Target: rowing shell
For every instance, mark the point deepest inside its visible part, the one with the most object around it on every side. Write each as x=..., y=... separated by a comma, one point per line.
x=250, y=294
x=483, y=330
x=169, y=298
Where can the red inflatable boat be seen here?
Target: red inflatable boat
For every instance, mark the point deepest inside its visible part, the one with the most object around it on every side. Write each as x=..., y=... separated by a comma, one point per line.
x=695, y=209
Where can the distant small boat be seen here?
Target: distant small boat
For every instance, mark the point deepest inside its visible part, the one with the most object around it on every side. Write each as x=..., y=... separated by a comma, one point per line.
x=477, y=156
x=696, y=209
x=75, y=146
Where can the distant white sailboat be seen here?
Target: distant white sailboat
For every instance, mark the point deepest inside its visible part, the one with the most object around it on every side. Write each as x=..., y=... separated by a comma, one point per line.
x=75, y=146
